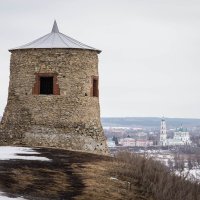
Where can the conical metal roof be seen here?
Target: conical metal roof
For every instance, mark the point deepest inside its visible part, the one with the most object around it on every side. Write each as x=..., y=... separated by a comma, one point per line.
x=55, y=39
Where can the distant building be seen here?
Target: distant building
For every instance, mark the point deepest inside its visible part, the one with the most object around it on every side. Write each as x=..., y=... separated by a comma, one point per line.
x=127, y=142
x=181, y=136
x=131, y=142
x=143, y=143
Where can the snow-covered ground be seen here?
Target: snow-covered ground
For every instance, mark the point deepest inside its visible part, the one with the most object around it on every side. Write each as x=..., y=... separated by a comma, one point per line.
x=3, y=197
x=10, y=153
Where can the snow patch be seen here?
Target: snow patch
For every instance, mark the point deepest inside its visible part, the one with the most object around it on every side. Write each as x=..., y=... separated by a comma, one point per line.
x=113, y=178
x=12, y=153
x=3, y=197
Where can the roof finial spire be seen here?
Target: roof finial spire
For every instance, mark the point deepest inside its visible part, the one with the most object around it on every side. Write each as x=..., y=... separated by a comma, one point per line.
x=55, y=27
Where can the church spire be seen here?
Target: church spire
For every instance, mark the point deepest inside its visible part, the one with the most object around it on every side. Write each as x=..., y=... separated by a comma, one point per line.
x=163, y=132
x=55, y=27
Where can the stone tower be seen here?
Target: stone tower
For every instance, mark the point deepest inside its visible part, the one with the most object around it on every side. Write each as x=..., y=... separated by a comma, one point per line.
x=163, y=133
x=53, y=96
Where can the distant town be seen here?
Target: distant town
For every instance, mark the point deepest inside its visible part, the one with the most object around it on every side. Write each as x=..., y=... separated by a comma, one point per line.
x=173, y=142
x=149, y=134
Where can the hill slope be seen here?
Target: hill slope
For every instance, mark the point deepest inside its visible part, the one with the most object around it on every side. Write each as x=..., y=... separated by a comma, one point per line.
x=66, y=175
x=44, y=173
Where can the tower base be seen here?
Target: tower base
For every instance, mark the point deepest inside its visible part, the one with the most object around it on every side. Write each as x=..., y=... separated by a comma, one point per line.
x=90, y=139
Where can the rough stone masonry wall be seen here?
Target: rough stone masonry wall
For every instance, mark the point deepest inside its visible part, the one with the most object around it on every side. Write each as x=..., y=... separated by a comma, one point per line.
x=70, y=120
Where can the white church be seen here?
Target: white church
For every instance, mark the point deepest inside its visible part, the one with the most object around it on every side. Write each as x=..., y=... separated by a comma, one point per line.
x=181, y=136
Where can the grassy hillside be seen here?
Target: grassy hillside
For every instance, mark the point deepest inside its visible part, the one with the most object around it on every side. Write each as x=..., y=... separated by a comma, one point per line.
x=84, y=176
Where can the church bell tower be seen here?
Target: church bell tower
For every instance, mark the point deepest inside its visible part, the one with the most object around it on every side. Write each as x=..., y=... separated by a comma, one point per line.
x=163, y=133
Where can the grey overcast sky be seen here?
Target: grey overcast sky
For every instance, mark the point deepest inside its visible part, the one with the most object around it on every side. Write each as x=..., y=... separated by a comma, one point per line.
x=150, y=63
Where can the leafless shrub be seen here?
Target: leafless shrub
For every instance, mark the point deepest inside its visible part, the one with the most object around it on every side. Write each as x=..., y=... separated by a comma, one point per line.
x=197, y=158
x=170, y=164
x=153, y=178
x=190, y=163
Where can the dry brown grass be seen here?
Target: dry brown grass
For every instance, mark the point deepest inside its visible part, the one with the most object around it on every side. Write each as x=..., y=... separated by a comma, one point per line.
x=153, y=178
x=100, y=184
x=70, y=175
x=82, y=176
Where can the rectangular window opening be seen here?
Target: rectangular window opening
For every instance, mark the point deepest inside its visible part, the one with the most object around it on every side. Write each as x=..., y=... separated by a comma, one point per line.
x=46, y=85
x=95, y=88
